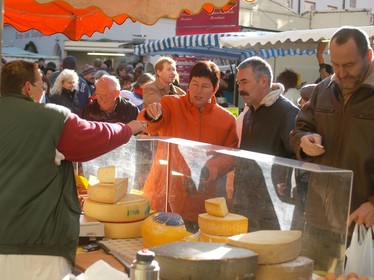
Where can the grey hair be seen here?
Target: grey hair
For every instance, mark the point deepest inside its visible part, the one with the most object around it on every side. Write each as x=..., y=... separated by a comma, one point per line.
x=259, y=66
x=111, y=81
x=65, y=75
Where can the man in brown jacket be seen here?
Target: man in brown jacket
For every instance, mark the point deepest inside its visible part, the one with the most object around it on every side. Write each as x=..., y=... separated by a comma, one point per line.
x=165, y=69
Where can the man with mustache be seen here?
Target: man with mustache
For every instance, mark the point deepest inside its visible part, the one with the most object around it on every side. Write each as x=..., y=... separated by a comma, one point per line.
x=263, y=127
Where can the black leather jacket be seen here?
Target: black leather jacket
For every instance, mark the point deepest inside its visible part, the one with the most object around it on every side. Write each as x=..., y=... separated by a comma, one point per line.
x=124, y=112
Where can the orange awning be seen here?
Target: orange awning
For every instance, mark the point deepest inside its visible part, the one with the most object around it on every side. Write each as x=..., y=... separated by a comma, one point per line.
x=76, y=18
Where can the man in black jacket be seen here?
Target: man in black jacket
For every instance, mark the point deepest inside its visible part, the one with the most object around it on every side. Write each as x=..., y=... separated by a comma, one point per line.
x=108, y=105
x=266, y=123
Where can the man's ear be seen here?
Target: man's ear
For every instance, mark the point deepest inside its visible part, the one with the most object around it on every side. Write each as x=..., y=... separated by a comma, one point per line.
x=117, y=93
x=264, y=80
x=370, y=55
x=26, y=89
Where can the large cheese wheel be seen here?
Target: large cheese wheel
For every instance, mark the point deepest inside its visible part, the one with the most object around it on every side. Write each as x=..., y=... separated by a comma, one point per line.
x=207, y=261
x=216, y=206
x=162, y=228
x=204, y=237
x=300, y=268
x=231, y=224
x=272, y=246
x=131, y=207
x=123, y=230
x=108, y=193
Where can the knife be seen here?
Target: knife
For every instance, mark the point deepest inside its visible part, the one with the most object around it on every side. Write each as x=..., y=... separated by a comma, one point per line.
x=117, y=255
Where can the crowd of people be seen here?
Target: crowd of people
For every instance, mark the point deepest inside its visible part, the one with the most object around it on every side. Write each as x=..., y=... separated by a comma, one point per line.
x=90, y=113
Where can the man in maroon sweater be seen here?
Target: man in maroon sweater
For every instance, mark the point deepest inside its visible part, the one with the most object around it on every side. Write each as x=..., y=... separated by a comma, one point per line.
x=39, y=206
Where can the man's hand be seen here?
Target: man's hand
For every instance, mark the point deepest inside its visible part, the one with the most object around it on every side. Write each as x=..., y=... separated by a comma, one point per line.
x=137, y=127
x=321, y=49
x=311, y=144
x=363, y=215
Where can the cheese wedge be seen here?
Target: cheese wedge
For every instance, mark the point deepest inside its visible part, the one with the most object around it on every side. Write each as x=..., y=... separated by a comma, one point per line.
x=129, y=208
x=272, y=246
x=106, y=174
x=299, y=268
x=231, y=224
x=216, y=206
x=108, y=193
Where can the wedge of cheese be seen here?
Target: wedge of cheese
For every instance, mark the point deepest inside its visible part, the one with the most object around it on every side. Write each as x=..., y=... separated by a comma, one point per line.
x=129, y=208
x=231, y=224
x=108, y=193
x=123, y=230
x=300, y=268
x=216, y=206
x=272, y=246
x=106, y=174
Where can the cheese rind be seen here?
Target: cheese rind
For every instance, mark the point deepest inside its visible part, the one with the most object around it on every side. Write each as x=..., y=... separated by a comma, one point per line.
x=204, y=237
x=272, y=246
x=299, y=268
x=123, y=230
x=162, y=228
x=231, y=224
x=108, y=193
x=106, y=174
x=129, y=208
x=216, y=206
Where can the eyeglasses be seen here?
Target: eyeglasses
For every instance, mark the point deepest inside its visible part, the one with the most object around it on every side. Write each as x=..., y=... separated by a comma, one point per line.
x=37, y=85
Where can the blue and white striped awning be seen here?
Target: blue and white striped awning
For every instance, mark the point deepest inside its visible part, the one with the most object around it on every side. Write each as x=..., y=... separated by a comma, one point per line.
x=208, y=45
x=240, y=45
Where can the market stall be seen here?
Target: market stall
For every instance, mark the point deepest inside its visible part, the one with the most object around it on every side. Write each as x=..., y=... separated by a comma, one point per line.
x=274, y=211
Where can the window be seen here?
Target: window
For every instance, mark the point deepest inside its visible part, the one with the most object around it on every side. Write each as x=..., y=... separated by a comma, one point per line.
x=309, y=6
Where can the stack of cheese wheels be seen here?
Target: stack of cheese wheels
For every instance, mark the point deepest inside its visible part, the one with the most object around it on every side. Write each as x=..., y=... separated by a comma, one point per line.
x=218, y=224
x=122, y=214
x=162, y=228
x=278, y=254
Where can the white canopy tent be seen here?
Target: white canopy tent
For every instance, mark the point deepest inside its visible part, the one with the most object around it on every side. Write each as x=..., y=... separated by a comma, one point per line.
x=300, y=41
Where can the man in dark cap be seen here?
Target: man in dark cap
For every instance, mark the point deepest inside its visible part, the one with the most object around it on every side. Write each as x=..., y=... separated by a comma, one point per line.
x=88, y=74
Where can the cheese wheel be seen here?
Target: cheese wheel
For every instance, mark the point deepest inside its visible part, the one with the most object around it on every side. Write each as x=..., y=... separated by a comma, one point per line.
x=106, y=174
x=162, y=228
x=123, y=230
x=108, y=193
x=272, y=246
x=231, y=224
x=299, y=268
x=216, y=206
x=204, y=237
x=131, y=207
